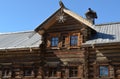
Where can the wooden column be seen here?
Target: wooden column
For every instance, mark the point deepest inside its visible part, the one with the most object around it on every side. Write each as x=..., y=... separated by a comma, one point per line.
x=42, y=56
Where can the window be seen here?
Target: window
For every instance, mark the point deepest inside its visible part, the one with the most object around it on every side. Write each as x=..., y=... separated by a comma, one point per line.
x=52, y=72
x=54, y=41
x=73, y=71
x=103, y=71
x=27, y=72
x=6, y=73
x=73, y=40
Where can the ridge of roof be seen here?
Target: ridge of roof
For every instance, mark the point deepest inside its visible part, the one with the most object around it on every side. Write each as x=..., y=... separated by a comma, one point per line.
x=110, y=23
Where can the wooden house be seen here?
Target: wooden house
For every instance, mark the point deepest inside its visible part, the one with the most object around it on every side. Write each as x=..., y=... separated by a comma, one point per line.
x=65, y=46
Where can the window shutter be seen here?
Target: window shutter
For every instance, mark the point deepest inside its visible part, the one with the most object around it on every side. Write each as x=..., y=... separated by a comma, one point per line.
x=96, y=71
x=48, y=41
x=80, y=71
x=111, y=71
x=79, y=39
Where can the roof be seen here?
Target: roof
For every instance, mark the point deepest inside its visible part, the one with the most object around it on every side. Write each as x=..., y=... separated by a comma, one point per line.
x=20, y=40
x=105, y=33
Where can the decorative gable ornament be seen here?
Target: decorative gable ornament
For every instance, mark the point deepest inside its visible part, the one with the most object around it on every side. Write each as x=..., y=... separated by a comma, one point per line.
x=61, y=16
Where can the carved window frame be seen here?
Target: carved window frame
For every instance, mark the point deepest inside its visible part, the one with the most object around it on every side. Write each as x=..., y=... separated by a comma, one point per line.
x=54, y=41
x=78, y=39
x=53, y=37
x=53, y=72
x=73, y=71
x=73, y=40
x=104, y=71
x=7, y=72
x=110, y=70
x=28, y=71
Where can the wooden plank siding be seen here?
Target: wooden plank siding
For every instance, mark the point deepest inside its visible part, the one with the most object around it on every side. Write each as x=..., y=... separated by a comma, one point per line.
x=99, y=56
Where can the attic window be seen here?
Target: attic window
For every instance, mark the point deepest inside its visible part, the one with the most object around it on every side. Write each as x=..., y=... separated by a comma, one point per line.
x=54, y=41
x=73, y=40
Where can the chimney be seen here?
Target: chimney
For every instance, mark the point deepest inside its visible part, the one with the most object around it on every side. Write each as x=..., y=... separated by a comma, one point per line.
x=91, y=15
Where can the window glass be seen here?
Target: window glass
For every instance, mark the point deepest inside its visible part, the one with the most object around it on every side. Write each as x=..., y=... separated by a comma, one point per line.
x=54, y=41
x=73, y=40
x=104, y=71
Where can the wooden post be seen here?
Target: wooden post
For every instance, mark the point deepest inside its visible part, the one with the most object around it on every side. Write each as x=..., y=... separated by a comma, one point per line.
x=42, y=57
x=80, y=71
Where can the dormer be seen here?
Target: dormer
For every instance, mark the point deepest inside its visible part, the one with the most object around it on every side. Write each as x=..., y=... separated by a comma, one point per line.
x=65, y=29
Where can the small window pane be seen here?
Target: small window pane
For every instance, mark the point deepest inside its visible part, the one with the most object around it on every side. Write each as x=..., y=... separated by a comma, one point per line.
x=54, y=41
x=104, y=71
x=73, y=40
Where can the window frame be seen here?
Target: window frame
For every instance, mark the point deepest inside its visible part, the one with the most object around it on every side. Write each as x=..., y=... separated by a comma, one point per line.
x=108, y=71
x=73, y=40
x=54, y=41
x=73, y=71
x=52, y=72
x=29, y=69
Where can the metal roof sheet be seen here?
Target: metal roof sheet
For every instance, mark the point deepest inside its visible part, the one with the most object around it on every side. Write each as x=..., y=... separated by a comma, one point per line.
x=106, y=33
x=20, y=40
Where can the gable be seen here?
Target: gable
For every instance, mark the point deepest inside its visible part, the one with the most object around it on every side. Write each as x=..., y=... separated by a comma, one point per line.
x=53, y=20
x=69, y=24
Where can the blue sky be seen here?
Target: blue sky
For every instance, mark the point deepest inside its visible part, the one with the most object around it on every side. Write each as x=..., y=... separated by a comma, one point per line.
x=25, y=15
